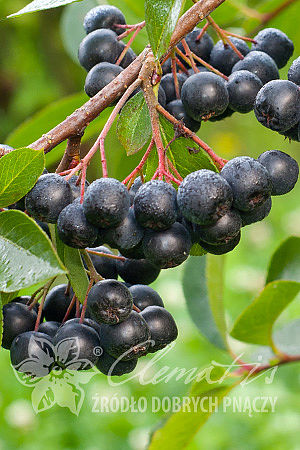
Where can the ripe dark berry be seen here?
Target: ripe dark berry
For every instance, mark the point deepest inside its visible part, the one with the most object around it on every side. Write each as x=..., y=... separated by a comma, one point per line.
x=32, y=353
x=293, y=133
x=83, y=343
x=223, y=57
x=177, y=110
x=17, y=319
x=129, y=339
x=19, y=205
x=276, y=44
x=222, y=248
x=249, y=180
x=243, y=87
x=283, y=170
x=99, y=46
x=44, y=226
x=200, y=69
x=134, y=188
x=204, y=95
x=73, y=228
x=201, y=47
x=227, y=113
x=277, y=105
x=137, y=271
x=100, y=76
x=294, y=71
x=144, y=296
x=106, y=267
x=49, y=328
x=127, y=235
x=74, y=182
x=162, y=326
x=167, y=248
x=109, y=301
x=136, y=252
x=106, y=202
x=221, y=232
x=168, y=85
x=86, y=321
x=111, y=367
x=25, y=300
x=203, y=197
x=257, y=214
x=51, y=194
x=57, y=302
x=155, y=205
x=259, y=63
x=104, y=16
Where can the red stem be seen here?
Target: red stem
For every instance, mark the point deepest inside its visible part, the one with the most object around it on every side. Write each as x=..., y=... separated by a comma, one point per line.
x=70, y=307
x=203, y=31
x=190, y=55
x=106, y=255
x=83, y=311
x=201, y=61
x=223, y=36
x=243, y=38
x=138, y=29
x=174, y=72
x=141, y=164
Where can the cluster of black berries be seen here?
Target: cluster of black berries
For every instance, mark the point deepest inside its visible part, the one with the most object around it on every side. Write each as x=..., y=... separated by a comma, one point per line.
x=111, y=337
x=253, y=82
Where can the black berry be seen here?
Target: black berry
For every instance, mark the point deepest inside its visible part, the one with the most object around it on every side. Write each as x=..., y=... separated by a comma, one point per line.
x=84, y=345
x=99, y=46
x=162, y=326
x=167, y=248
x=48, y=198
x=283, y=170
x=257, y=214
x=109, y=301
x=294, y=72
x=223, y=57
x=276, y=44
x=49, y=328
x=155, y=205
x=243, y=87
x=221, y=232
x=277, y=105
x=168, y=85
x=137, y=271
x=74, y=229
x=204, y=196
x=106, y=267
x=134, y=188
x=204, y=95
x=57, y=302
x=259, y=63
x=112, y=367
x=144, y=296
x=104, y=16
x=177, y=110
x=249, y=180
x=100, y=76
x=127, y=235
x=106, y=202
x=222, y=248
x=201, y=47
x=17, y=319
x=129, y=339
x=75, y=184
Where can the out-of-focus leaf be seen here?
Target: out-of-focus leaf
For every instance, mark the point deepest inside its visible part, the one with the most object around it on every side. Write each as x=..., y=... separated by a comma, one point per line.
x=26, y=254
x=134, y=125
x=38, y=5
x=19, y=171
x=203, y=291
x=161, y=18
x=197, y=250
x=285, y=262
x=181, y=427
x=256, y=322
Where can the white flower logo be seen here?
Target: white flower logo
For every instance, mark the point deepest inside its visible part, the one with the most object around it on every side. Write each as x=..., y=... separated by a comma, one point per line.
x=52, y=373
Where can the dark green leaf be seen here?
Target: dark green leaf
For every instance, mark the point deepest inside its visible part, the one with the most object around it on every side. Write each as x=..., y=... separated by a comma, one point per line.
x=38, y=5
x=285, y=262
x=134, y=125
x=256, y=322
x=161, y=18
x=179, y=430
x=19, y=171
x=203, y=291
x=26, y=254
x=76, y=273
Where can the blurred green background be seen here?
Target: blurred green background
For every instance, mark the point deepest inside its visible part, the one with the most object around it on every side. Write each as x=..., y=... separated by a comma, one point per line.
x=38, y=67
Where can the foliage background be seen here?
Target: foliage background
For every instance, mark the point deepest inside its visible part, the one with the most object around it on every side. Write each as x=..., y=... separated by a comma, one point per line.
x=38, y=67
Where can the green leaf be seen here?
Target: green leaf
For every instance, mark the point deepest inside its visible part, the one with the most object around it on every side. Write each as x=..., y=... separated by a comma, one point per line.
x=134, y=125
x=38, y=5
x=179, y=430
x=197, y=250
x=161, y=18
x=6, y=297
x=285, y=262
x=26, y=254
x=19, y=171
x=203, y=291
x=256, y=322
x=71, y=258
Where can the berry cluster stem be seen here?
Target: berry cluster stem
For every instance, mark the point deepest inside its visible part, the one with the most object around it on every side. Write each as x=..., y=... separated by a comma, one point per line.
x=45, y=292
x=137, y=29
x=139, y=167
x=224, y=36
